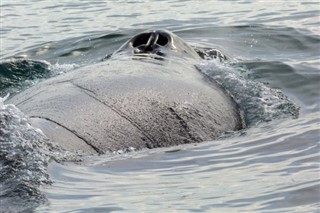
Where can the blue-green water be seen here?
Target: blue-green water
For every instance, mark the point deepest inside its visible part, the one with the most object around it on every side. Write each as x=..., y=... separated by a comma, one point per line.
x=273, y=166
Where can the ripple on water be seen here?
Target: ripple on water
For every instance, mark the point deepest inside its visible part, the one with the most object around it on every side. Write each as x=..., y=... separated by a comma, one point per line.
x=276, y=172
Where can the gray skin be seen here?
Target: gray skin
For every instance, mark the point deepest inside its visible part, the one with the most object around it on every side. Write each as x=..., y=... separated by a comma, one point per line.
x=147, y=94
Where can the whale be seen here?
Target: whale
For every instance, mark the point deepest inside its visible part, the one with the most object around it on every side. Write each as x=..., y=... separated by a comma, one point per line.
x=147, y=94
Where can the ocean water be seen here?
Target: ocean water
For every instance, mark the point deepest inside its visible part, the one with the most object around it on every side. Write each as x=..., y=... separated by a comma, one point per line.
x=273, y=73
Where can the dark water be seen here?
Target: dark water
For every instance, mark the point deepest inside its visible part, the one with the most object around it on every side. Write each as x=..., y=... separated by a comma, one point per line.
x=272, y=166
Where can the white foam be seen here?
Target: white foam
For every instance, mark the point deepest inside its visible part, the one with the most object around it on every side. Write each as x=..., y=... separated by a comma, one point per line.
x=259, y=102
x=25, y=150
x=62, y=68
x=2, y=100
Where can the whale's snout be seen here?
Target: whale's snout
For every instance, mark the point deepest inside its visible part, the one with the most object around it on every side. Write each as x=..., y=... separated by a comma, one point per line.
x=150, y=42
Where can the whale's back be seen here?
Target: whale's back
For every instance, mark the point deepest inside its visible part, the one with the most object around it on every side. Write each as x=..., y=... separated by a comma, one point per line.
x=115, y=105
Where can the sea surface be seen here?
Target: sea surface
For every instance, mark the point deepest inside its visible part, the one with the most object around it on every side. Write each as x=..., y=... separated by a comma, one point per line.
x=272, y=72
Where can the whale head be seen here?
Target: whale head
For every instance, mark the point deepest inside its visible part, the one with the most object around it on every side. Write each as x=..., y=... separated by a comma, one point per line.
x=159, y=44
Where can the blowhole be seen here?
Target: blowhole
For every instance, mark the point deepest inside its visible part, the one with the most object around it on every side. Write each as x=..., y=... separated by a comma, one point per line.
x=162, y=40
x=141, y=39
x=144, y=38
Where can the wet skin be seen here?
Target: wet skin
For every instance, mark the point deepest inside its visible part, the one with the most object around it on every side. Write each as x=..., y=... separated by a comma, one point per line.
x=147, y=94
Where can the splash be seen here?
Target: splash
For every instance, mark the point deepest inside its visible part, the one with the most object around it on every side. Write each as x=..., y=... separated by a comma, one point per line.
x=259, y=102
x=24, y=156
x=57, y=68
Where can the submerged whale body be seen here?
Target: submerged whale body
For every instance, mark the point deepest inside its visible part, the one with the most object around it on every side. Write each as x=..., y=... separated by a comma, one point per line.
x=147, y=94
